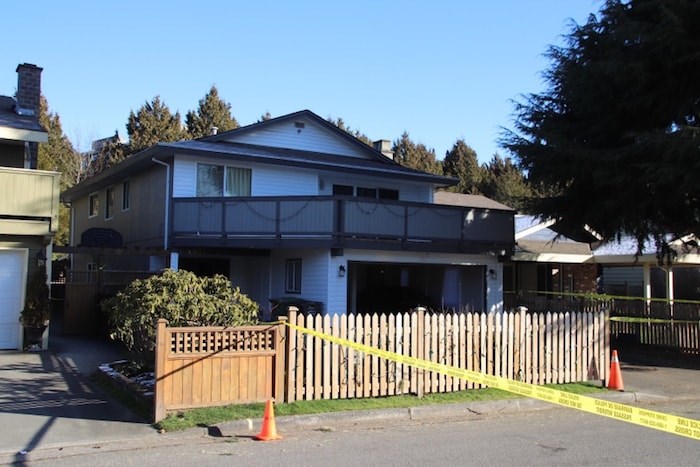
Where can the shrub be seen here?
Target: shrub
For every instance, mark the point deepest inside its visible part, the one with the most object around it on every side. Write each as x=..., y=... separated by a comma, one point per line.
x=37, y=304
x=180, y=297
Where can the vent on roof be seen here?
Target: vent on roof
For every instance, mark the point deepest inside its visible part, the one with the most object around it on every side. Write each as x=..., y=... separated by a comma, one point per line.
x=299, y=125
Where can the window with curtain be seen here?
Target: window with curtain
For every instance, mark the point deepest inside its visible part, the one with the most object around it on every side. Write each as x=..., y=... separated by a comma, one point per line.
x=219, y=180
x=237, y=181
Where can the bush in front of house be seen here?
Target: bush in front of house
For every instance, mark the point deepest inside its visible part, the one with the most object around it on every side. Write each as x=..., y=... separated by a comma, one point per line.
x=182, y=298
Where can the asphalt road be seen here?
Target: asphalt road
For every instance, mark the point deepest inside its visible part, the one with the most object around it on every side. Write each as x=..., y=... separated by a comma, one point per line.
x=551, y=437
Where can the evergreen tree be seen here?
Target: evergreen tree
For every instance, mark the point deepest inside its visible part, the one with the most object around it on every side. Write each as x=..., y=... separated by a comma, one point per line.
x=153, y=123
x=212, y=112
x=109, y=153
x=340, y=123
x=461, y=162
x=265, y=117
x=504, y=182
x=58, y=155
x=415, y=156
x=616, y=133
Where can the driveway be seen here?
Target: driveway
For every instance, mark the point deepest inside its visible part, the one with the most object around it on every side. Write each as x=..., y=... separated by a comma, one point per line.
x=47, y=400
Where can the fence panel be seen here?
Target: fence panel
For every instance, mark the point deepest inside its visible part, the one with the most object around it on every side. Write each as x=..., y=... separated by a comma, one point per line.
x=207, y=366
x=533, y=347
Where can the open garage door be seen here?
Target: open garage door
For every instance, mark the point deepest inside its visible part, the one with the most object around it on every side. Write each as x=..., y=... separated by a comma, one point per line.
x=12, y=283
x=391, y=288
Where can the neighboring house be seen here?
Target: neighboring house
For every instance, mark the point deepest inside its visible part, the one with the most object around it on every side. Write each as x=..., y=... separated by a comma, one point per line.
x=293, y=207
x=544, y=260
x=28, y=201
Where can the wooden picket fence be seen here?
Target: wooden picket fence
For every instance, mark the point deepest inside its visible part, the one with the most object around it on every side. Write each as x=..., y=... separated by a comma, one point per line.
x=538, y=348
x=208, y=366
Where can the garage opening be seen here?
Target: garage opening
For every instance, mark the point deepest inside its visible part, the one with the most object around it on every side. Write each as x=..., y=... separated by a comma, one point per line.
x=397, y=288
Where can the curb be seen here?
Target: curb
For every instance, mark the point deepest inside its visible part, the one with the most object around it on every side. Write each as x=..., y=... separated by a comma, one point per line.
x=321, y=421
x=463, y=411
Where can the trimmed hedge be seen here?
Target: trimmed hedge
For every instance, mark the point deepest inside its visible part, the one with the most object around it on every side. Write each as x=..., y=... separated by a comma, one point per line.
x=182, y=298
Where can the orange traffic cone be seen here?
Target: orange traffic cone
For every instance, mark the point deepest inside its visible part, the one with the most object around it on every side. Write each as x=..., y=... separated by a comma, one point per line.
x=269, y=428
x=615, y=381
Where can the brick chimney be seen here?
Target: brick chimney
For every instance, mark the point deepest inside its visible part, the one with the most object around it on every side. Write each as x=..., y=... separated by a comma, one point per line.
x=28, y=94
x=384, y=146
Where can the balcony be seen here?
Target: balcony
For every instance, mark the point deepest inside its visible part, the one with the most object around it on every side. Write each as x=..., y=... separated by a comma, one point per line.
x=28, y=201
x=338, y=222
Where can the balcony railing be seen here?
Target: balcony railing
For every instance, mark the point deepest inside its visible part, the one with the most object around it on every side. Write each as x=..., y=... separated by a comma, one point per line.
x=269, y=222
x=28, y=201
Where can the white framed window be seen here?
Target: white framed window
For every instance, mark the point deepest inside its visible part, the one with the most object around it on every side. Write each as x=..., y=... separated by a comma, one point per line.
x=126, y=195
x=220, y=180
x=93, y=204
x=109, y=202
x=292, y=276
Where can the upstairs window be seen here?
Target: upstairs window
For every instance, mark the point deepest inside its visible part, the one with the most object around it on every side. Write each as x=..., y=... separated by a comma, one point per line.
x=363, y=192
x=219, y=180
x=109, y=202
x=388, y=194
x=343, y=190
x=93, y=204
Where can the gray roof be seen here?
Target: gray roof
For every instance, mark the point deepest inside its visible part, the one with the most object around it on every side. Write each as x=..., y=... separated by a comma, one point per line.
x=557, y=247
x=215, y=147
x=524, y=222
x=471, y=201
x=296, y=157
x=10, y=119
x=253, y=153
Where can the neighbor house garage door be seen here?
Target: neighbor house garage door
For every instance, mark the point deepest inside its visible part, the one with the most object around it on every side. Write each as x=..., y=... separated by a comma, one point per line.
x=12, y=273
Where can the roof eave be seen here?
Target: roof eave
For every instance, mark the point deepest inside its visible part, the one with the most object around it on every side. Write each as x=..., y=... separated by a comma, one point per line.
x=22, y=134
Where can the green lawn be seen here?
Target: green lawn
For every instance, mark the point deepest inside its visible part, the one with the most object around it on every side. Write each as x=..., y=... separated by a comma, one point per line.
x=213, y=415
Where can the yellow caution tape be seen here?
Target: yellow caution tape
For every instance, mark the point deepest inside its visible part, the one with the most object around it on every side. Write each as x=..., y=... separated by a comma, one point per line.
x=659, y=421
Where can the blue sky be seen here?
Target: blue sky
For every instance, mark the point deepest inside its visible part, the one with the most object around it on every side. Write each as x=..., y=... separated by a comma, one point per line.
x=441, y=70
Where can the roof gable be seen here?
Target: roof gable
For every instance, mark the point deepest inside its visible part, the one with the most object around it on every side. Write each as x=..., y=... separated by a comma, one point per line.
x=304, y=131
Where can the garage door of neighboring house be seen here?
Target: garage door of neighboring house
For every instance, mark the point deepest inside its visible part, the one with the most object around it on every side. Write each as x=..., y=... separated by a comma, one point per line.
x=12, y=283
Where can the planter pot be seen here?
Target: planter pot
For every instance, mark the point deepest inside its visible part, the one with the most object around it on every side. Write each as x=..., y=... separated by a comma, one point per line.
x=33, y=336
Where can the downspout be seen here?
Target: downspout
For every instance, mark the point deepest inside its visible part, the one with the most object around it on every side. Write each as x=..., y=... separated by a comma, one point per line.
x=167, y=201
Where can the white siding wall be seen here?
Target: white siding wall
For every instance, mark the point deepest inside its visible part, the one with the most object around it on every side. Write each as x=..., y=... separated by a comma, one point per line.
x=184, y=177
x=269, y=181
x=314, y=274
x=266, y=180
x=310, y=138
x=337, y=286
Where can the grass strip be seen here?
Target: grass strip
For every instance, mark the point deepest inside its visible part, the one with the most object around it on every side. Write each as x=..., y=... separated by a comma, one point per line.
x=212, y=415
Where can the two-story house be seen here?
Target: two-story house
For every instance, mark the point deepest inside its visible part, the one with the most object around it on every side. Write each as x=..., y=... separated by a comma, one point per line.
x=293, y=207
x=28, y=201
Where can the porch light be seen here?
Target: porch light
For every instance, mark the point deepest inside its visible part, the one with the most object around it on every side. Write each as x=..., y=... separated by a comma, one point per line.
x=341, y=271
x=492, y=274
